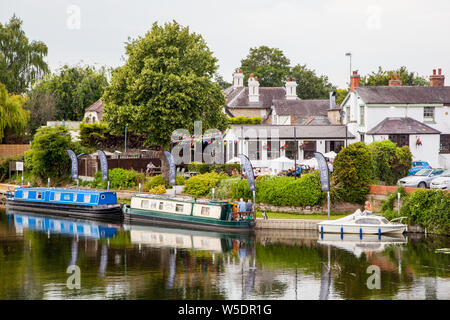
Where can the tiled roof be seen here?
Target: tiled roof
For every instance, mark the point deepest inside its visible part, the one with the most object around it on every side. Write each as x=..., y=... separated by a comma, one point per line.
x=404, y=95
x=284, y=131
x=301, y=107
x=238, y=98
x=97, y=106
x=402, y=126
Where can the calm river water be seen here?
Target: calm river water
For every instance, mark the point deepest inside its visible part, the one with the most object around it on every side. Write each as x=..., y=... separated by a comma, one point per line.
x=149, y=262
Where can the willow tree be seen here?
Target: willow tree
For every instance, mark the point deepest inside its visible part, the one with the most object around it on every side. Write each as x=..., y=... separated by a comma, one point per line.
x=165, y=84
x=21, y=61
x=13, y=117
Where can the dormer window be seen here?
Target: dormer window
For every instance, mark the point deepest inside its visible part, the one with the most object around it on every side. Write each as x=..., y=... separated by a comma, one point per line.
x=428, y=114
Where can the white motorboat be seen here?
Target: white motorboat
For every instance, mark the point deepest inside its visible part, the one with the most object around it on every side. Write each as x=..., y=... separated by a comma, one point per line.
x=362, y=223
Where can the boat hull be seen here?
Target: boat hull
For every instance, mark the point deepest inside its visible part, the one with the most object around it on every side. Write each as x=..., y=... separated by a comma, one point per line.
x=360, y=229
x=187, y=222
x=110, y=212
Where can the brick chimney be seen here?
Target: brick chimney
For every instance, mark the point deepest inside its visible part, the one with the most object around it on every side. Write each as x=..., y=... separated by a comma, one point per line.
x=395, y=82
x=238, y=78
x=253, y=89
x=291, y=89
x=437, y=80
x=354, y=80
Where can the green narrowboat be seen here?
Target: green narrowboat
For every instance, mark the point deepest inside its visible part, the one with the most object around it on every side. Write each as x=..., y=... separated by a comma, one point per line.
x=186, y=213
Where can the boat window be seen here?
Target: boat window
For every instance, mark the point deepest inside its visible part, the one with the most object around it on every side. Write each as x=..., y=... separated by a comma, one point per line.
x=39, y=195
x=367, y=221
x=153, y=205
x=57, y=196
x=179, y=240
x=384, y=220
x=87, y=198
x=25, y=194
x=161, y=205
x=144, y=204
x=179, y=208
x=102, y=196
x=205, y=211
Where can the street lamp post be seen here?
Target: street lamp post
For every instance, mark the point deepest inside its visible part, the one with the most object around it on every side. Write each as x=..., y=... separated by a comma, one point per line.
x=126, y=127
x=349, y=54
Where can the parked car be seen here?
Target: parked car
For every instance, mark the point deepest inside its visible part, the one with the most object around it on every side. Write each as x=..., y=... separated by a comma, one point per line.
x=441, y=182
x=418, y=165
x=421, y=178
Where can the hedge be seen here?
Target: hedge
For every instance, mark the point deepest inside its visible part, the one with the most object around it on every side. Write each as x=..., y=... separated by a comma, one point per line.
x=204, y=167
x=279, y=191
x=429, y=209
x=245, y=120
x=118, y=179
x=202, y=184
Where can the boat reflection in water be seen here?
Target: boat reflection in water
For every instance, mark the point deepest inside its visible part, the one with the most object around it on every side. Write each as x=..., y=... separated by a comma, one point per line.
x=70, y=227
x=159, y=237
x=359, y=244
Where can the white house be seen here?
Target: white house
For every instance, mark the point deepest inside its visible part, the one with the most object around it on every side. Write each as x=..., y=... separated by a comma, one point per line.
x=414, y=116
x=94, y=113
x=291, y=127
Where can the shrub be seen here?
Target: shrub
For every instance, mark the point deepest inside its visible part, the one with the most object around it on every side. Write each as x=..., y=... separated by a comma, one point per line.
x=48, y=157
x=280, y=191
x=153, y=182
x=204, y=167
x=353, y=172
x=201, y=185
x=245, y=120
x=4, y=166
x=224, y=188
x=158, y=189
x=118, y=179
x=180, y=180
x=390, y=163
x=429, y=209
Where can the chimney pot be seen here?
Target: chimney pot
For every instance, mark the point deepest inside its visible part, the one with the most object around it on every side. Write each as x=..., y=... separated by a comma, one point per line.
x=437, y=80
x=392, y=77
x=398, y=77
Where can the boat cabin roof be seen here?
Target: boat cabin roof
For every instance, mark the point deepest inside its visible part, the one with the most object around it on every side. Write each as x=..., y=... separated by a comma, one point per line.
x=179, y=199
x=39, y=189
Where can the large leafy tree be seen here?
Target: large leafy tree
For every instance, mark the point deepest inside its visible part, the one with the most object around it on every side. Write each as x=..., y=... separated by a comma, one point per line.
x=166, y=84
x=381, y=78
x=310, y=85
x=13, y=117
x=42, y=108
x=75, y=88
x=21, y=61
x=270, y=65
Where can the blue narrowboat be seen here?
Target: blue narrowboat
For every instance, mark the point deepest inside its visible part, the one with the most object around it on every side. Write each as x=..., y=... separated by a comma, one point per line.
x=66, y=202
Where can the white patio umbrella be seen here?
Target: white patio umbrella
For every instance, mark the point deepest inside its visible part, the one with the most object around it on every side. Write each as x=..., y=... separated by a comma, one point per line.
x=330, y=155
x=311, y=163
x=234, y=160
x=281, y=163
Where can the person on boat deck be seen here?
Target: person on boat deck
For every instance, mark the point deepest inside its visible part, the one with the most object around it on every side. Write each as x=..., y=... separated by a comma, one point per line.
x=367, y=208
x=242, y=205
x=249, y=206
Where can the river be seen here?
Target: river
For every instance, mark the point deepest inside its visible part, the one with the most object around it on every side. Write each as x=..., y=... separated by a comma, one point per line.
x=43, y=257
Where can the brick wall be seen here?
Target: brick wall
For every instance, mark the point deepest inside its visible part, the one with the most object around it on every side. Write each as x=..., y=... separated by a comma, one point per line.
x=12, y=150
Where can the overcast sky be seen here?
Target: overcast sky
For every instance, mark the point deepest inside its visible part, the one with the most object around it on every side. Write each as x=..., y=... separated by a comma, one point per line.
x=316, y=33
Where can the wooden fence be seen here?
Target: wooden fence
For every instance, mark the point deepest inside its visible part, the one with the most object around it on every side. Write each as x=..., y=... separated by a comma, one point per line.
x=88, y=167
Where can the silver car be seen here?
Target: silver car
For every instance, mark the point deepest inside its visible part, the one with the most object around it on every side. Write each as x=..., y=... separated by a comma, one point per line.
x=421, y=178
x=441, y=182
